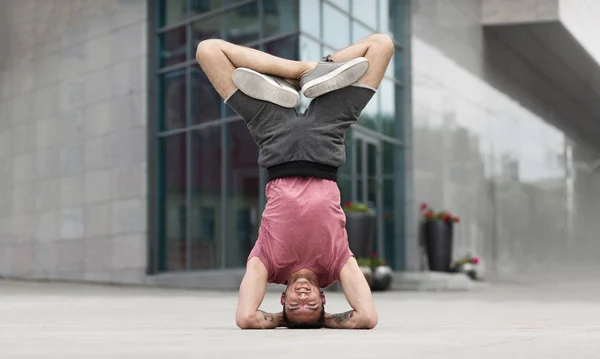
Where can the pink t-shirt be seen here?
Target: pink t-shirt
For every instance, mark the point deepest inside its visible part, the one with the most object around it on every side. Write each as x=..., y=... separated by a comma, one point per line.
x=303, y=227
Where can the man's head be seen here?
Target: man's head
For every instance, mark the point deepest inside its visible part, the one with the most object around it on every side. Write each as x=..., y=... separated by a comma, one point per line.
x=303, y=302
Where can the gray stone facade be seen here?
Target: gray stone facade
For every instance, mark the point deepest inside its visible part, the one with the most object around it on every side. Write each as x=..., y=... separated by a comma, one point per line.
x=73, y=139
x=486, y=147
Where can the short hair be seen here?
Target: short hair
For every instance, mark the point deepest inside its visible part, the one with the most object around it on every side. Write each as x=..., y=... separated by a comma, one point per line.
x=318, y=324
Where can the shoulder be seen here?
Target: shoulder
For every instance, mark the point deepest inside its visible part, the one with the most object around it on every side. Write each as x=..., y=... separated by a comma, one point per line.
x=256, y=267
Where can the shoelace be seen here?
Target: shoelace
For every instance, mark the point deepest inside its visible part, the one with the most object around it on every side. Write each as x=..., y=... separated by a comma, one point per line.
x=327, y=58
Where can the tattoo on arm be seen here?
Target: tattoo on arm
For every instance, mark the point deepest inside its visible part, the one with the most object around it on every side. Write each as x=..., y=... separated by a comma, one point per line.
x=266, y=316
x=342, y=318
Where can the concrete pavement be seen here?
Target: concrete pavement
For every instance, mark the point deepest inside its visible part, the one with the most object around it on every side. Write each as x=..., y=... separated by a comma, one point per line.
x=44, y=320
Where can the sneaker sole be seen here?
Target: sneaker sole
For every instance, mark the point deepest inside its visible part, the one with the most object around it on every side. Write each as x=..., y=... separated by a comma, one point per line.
x=261, y=87
x=341, y=77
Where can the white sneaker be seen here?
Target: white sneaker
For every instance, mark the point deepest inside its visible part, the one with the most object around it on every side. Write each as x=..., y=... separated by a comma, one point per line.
x=266, y=88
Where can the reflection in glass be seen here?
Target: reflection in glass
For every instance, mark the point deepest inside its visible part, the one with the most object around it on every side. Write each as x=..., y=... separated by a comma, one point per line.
x=345, y=186
x=205, y=29
x=366, y=11
x=286, y=48
x=198, y=7
x=206, y=198
x=368, y=117
x=242, y=24
x=173, y=93
x=310, y=50
x=343, y=4
x=206, y=102
x=358, y=196
x=172, y=154
x=243, y=205
x=280, y=17
x=359, y=32
x=172, y=47
x=387, y=112
x=310, y=18
x=385, y=15
x=336, y=27
x=171, y=12
x=392, y=204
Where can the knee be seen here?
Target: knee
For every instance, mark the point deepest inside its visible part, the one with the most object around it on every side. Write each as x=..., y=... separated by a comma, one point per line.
x=383, y=40
x=208, y=47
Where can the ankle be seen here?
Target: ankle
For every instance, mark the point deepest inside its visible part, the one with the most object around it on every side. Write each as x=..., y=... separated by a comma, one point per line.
x=307, y=67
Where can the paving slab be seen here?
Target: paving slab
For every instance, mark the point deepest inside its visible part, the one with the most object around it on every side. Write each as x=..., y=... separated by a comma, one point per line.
x=50, y=320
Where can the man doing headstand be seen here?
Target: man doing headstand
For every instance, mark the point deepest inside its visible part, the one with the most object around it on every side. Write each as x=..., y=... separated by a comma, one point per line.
x=302, y=240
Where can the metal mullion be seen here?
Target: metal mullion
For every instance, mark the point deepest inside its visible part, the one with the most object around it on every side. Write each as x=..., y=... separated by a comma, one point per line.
x=354, y=176
x=197, y=127
x=350, y=23
x=374, y=134
x=364, y=174
x=379, y=195
x=262, y=173
x=178, y=66
x=224, y=165
x=188, y=155
x=261, y=41
x=261, y=17
x=202, y=16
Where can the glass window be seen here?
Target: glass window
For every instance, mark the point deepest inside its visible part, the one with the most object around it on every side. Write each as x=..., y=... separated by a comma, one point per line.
x=336, y=27
x=203, y=29
x=172, y=47
x=368, y=117
x=242, y=25
x=343, y=4
x=198, y=7
x=206, y=198
x=171, y=12
x=310, y=17
x=286, y=47
x=172, y=154
x=206, y=102
x=280, y=17
x=387, y=112
x=173, y=100
x=359, y=32
x=243, y=204
x=310, y=50
x=366, y=11
x=392, y=202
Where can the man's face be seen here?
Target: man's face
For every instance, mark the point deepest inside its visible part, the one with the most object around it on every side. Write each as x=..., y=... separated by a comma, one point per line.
x=302, y=300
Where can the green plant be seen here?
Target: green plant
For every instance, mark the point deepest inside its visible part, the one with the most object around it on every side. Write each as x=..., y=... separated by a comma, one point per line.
x=467, y=259
x=373, y=262
x=356, y=207
x=429, y=214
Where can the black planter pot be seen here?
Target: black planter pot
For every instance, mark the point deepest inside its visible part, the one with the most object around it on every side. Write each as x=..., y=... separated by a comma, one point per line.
x=360, y=228
x=382, y=278
x=438, y=236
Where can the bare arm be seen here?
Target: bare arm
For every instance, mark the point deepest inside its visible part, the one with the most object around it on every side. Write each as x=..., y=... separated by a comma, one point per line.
x=252, y=293
x=356, y=289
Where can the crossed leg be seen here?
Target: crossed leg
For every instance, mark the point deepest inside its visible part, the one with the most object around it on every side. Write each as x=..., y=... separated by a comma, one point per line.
x=219, y=59
x=377, y=48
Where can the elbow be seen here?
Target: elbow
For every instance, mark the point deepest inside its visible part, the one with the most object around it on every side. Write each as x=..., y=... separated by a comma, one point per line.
x=370, y=320
x=243, y=322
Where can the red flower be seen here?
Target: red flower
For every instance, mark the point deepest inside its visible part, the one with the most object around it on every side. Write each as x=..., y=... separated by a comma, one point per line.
x=475, y=260
x=428, y=215
x=374, y=255
x=348, y=204
x=424, y=206
x=456, y=220
x=447, y=218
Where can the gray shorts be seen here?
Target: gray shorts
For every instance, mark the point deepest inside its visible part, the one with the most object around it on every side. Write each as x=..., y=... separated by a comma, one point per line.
x=317, y=135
